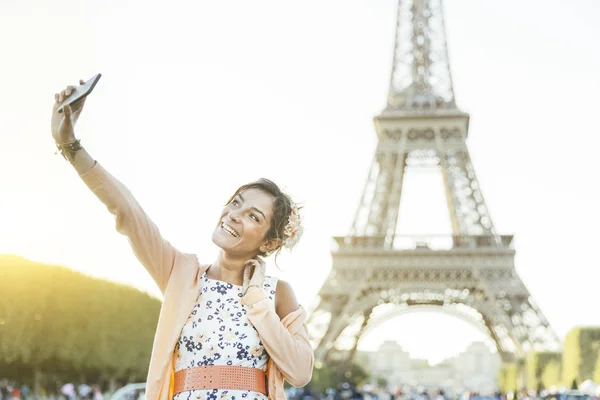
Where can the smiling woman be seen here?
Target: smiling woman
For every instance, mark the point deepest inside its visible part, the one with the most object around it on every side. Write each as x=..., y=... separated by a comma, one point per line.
x=245, y=210
x=225, y=330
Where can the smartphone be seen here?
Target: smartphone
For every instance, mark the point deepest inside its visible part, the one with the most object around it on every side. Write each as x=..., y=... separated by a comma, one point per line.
x=80, y=92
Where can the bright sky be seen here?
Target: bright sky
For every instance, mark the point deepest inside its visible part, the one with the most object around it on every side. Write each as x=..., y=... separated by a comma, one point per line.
x=199, y=97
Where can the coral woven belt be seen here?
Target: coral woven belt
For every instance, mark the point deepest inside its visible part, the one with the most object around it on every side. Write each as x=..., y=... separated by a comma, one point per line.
x=220, y=377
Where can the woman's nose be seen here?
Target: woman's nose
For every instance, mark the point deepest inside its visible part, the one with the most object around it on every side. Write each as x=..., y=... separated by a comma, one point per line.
x=233, y=216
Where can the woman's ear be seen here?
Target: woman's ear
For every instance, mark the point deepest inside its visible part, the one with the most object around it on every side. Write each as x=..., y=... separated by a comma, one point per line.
x=270, y=245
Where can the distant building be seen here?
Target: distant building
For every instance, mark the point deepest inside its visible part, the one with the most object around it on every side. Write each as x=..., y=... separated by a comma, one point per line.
x=475, y=369
x=437, y=376
x=389, y=362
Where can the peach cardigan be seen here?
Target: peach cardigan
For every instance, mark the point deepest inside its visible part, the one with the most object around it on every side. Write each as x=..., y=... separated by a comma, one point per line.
x=177, y=275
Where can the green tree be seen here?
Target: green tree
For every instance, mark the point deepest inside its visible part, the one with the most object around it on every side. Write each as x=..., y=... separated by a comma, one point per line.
x=382, y=382
x=535, y=364
x=334, y=373
x=502, y=381
x=597, y=369
x=323, y=377
x=581, y=349
x=551, y=374
x=53, y=319
x=521, y=374
x=511, y=377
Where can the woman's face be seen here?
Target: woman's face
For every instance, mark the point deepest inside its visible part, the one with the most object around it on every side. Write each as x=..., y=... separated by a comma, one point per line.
x=244, y=223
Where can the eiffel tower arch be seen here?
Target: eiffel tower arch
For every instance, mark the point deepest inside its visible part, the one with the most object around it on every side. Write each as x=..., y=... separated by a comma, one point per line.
x=377, y=274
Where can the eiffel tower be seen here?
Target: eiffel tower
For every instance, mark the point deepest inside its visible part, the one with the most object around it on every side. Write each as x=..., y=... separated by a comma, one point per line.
x=376, y=274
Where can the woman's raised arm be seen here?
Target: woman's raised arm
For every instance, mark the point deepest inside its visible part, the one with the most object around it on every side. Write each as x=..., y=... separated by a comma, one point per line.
x=154, y=252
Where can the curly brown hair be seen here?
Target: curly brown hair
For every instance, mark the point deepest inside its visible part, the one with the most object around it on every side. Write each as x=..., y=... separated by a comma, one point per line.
x=282, y=208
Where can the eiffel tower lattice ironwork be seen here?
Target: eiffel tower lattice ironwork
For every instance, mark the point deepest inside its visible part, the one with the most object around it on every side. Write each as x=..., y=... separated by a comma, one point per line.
x=377, y=274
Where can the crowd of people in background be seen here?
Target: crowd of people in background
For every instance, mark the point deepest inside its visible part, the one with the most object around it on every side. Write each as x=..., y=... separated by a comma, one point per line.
x=69, y=391
x=371, y=392
x=13, y=391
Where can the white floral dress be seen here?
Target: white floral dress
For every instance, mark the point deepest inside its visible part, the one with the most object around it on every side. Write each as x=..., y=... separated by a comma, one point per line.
x=218, y=332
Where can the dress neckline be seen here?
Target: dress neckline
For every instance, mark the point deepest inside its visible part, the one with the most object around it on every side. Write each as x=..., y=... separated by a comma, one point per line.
x=220, y=281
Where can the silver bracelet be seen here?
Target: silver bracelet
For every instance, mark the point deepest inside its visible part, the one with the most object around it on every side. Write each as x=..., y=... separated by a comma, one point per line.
x=68, y=150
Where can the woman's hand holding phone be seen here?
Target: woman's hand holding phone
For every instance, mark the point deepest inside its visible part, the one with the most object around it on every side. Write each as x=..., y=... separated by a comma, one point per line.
x=63, y=124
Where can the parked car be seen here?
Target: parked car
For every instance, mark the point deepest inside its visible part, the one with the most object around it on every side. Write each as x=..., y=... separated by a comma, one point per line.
x=132, y=391
x=567, y=395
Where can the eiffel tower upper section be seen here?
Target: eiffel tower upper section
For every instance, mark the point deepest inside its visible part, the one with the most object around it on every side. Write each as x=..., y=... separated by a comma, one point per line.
x=422, y=126
x=421, y=81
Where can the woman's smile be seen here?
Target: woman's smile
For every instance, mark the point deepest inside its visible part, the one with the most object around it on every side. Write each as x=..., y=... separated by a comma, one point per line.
x=227, y=228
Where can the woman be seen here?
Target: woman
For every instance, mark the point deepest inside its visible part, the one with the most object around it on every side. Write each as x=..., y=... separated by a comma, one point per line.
x=225, y=331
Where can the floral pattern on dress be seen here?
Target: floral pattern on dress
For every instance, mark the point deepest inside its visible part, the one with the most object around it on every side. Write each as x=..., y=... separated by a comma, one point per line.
x=218, y=332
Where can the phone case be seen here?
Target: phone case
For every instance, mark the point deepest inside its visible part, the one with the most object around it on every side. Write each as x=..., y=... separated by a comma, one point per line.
x=80, y=92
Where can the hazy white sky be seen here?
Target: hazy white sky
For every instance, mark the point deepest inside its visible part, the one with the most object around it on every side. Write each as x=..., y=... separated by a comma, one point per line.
x=199, y=97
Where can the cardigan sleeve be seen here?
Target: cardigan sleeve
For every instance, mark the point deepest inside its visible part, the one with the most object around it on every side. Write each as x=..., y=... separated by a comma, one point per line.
x=155, y=253
x=285, y=340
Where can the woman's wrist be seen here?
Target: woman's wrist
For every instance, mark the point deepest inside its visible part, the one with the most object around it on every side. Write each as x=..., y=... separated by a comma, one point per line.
x=73, y=152
x=65, y=140
x=68, y=149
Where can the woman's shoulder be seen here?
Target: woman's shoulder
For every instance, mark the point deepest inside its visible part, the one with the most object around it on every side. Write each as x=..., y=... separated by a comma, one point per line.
x=285, y=301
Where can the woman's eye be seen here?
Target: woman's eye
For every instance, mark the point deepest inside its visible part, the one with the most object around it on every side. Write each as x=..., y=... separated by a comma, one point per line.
x=255, y=217
x=235, y=202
